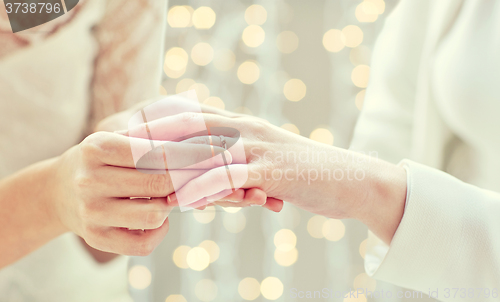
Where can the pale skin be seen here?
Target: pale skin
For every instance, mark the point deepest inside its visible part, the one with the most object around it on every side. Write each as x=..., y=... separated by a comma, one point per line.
x=377, y=199
x=87, y=191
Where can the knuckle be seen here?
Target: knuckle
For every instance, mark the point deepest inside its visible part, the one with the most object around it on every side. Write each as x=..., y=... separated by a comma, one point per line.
x=158, y=184
x=155, y=219
x=144, y=246
x=83, y=182
x=200, y=140
x=261, y=124
x=187, y=117
x=89, y=210
x=94, y=144
x=90, y=235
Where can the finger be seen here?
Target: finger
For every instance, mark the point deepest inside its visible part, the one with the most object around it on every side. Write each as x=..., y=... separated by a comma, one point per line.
x=228, y=195
x=167, y=128
x=273, y=204
x=211, y=140
x=126, y=242
x=174, y=155
x=213, y=182
x=242, y=198
x=175, y=104
x=137, y=213
x=125, y=182
x=250, y=197
x=117, y=150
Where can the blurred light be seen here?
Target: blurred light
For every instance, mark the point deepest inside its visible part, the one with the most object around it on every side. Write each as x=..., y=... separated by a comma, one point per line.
x=322, y=135
x=364, y=281
x=224, y=59
x=360, y=98
x=202, y=54
x=162, y=90
x=366, y=12
x=285, y=240
x=271, y=288
x=184, y=85
x=206, y=290
x=202, y=91
x=179, y=16
x=243, y=110
x=362, y=248
x=294, y=90
x=353, y=35
x=360, y=76
x=212, y=248
x=139, y=277
x=287, y=42
x=333, y=229
x=286, y=258
x=231, y=209
x=234, y=223
x=175, y=62
x=180, y=256
x=176, y=59
x=380, y=4
x=204, y=17
x=255, y=15
x=253, y=36
x=215, y=102
x=191, y=11
x=353, y=296
x=174, y=74
x=315, y=226
x=204, y=216
x=248, y=72
x=198, y=259
x=291, y=127
x=176, y=298
x=360, y=55
x=249, y=289
x=334, y=40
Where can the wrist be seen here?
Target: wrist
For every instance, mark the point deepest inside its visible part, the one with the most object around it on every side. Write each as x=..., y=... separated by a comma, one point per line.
x=51, y=200
x=383, y=206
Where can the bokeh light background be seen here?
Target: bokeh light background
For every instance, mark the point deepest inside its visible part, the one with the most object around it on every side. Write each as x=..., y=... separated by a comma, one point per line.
x=303, y=65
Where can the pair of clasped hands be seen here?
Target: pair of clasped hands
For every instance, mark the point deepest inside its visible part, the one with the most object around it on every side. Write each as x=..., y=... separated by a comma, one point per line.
x=116, y=207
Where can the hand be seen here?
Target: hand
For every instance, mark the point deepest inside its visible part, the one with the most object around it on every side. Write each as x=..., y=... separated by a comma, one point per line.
x=94, y=182
x=322, y=179
x=172, y=104
x=175, y=105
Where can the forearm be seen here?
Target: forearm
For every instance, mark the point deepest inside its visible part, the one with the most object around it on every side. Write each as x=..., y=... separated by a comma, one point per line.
x=347, y=184
x=28, y=222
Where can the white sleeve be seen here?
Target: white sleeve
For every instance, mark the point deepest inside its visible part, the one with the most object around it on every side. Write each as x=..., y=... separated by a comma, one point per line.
x=447, y=241
x=386, y=120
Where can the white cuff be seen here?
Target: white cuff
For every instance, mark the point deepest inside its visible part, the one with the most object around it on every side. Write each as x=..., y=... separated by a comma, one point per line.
x=447, y=238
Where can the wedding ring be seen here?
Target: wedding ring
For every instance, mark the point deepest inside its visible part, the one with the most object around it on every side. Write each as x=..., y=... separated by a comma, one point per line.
x=223, y=142
x=224, y=145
